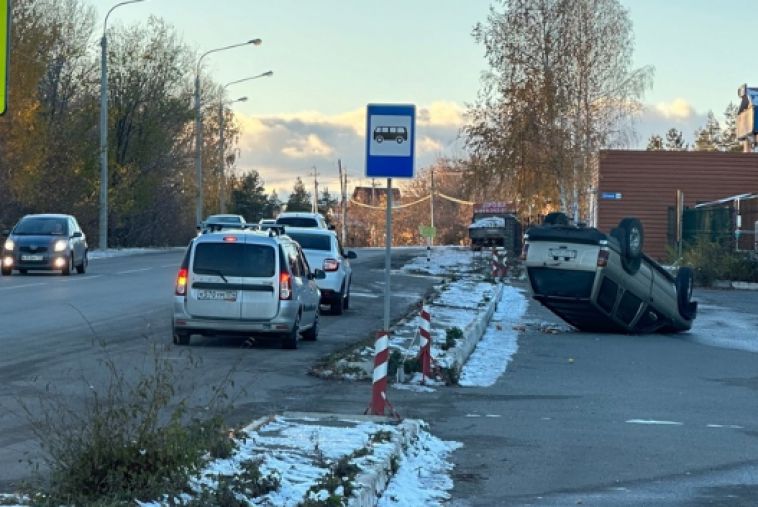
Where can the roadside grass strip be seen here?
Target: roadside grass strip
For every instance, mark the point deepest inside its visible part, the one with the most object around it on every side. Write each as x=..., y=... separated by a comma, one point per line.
x=499, y=343
x=309, y=459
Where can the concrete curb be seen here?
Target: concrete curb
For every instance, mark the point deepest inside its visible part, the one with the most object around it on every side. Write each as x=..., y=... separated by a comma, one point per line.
x=474, y=332
x=729, y=284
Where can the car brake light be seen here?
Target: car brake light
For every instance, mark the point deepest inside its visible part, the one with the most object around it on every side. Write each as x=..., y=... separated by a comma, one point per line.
x=524, y=251
x=231, y=239
x=181, y=282
x=602, y=258
x=331, y=264
x=285, y=286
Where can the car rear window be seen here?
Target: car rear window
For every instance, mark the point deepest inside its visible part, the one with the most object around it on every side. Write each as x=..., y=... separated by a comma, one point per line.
x=297, y=221
x=224, y=220
x=43, y=226
x=311, y=241
x=234, y=259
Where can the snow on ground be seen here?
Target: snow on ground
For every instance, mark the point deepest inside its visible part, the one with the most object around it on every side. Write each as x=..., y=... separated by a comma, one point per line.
x=443, y=261
x=721, y=327
x=500, y=341
x=122, y=252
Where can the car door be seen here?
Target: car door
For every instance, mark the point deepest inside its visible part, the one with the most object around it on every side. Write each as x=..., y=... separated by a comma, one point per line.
x=213, y=281
x=311, y=296
x=77, y=243
x=301, y=286
x=260, y=283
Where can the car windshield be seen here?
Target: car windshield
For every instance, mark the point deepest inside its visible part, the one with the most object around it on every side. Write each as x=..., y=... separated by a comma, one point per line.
x=311, y=241
x=41, y=226
x=298, y=221
x=234, y=259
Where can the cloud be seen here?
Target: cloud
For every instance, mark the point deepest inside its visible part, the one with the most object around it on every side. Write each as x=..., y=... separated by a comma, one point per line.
x=679, y=109
x=659, y=118
x=284, y=147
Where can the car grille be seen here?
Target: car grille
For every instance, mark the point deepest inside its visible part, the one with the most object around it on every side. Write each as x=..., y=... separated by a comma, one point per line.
x=35, y=250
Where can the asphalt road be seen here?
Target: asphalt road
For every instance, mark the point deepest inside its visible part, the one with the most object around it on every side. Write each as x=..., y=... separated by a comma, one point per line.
x=58, y=335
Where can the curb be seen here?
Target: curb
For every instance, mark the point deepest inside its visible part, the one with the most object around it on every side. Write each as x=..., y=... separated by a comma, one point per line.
x=729, y=284
x=474, y=332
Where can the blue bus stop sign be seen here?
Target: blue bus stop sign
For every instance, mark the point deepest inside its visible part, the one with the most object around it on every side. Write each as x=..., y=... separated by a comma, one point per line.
x=390, y=140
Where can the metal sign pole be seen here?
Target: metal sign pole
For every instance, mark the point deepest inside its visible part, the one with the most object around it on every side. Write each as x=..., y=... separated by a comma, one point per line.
x=387, y=256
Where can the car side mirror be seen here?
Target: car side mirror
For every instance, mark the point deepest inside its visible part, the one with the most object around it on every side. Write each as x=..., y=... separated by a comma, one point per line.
x=318, y=274
x=351, y=254
x=77, y=234
x=331, y=227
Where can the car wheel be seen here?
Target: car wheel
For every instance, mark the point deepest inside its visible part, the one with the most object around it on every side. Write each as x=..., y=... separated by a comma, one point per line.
x=347, y=298
x=379, y=139
x=337, y=306
x=82, y=268
x=630, y=236
x=69, y=266
x=181, y=338
x=289, y=340
x=312, y=333
x=6, y=271
x=685, y=280
x=556, y=218
x=399, y=140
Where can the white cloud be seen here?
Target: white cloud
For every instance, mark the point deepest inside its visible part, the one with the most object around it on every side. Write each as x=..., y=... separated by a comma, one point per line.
x=312, y=145
x=658, y=119
x=678, y=109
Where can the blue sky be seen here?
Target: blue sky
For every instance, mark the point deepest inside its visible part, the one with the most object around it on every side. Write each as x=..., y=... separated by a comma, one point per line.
x=330, y=58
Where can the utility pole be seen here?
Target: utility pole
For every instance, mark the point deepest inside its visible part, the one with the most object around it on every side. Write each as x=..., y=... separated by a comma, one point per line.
x=343, y=196
x=431, y=203
x=315, y=175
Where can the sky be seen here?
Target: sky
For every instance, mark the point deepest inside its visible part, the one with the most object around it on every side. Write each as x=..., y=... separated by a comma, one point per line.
x=331, y=58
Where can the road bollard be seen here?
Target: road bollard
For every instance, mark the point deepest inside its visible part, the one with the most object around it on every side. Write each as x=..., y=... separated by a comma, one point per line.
x=425, y=353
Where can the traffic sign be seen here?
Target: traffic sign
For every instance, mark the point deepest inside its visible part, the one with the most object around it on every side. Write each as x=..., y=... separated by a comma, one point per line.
x=427, y=231
x=5, y=36
x=390, y=140
x=611, y=196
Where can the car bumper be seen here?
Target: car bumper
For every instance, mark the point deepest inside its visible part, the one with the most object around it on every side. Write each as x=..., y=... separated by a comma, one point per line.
x=282, y=323
x=330, y=287
x=48, y=261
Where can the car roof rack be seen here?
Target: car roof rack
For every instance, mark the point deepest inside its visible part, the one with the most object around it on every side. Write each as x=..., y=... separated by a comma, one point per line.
x=273, y=229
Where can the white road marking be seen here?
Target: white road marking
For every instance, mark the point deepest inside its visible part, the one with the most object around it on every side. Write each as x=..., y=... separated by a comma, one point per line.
x=133, y=271
x=364, y=294
x=730, y=426
x=22, y=286
x=652, y=421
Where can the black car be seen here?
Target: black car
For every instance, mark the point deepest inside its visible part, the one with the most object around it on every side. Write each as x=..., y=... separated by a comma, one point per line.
x=45, y=242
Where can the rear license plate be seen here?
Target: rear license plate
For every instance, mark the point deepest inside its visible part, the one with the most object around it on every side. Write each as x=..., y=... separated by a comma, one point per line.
x=562, y=253
x=32, y=257
x=217, y=295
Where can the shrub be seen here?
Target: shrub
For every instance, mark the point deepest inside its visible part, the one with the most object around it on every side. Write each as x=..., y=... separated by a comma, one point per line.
x=451, y=335
x=713, y=261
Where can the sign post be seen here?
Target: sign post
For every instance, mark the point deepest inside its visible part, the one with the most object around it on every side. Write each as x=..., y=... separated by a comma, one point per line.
x=5, y=36
x=390, y=148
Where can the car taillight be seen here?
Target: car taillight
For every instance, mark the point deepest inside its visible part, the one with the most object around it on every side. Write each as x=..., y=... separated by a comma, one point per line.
x=331, y=264
x=285, y=286
x=524, y=251
x=602, y=258
x=181, y=282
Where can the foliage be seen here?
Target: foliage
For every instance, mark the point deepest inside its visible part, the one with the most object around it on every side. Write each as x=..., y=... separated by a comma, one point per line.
x=300, y=199
x=655, y=143
x=708, y=138
x=675, y=141
x=248, y=482
x=452, y=335
x=248, y=197
x=137, y=436
x=713, y=261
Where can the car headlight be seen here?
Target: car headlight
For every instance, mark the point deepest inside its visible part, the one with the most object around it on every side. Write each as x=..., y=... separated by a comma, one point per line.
x=9, y=244
x=60, y=245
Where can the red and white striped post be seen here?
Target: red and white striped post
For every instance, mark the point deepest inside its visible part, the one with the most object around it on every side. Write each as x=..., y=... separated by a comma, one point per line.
x=425, y=354
x=381, y=359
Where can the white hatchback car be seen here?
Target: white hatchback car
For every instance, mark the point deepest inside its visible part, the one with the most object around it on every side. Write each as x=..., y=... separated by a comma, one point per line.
x=302, y=219
x=246, y=282
x=323, y=250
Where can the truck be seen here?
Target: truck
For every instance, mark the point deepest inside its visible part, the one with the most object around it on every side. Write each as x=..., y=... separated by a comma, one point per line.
x=495, y=224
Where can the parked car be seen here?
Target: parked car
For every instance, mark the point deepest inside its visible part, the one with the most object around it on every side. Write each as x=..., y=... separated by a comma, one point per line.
x=322, y=249
x=267, y=221
x=246, y=282
x=221, y=222
x=599, y=282
x=45, y=242
x=302, y=219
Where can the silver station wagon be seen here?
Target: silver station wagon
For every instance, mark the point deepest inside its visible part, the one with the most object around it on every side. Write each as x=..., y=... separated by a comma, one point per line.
x=604, y=282
x=244, y=282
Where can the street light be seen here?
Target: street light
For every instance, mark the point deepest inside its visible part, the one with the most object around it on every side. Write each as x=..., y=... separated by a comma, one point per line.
x=103, y=204
x=222, y=192
x=222, y=183
x=199, y=126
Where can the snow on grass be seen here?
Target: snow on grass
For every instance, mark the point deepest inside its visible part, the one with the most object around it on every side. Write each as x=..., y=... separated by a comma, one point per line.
x=443, y=261
x=424, y=474
x=500, y=341
x=721, y=327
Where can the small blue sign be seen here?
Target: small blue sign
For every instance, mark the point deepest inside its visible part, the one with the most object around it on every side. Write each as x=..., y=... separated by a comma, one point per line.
x=611, y=196
x=390, y=140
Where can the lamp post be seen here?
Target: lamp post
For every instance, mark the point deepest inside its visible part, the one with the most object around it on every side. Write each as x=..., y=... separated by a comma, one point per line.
x=199, y=126
x=222, y=167
x=222, y=170
x=103, y=204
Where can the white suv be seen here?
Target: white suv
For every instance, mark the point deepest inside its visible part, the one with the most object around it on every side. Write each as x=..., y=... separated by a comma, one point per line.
x=323, y=250
x=302, y=219
x=246, y=282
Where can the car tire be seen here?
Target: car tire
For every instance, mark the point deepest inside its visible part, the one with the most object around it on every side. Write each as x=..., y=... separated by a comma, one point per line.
x=6, y=271
x=312, y=333
x=82, y=268
x=630, y=236
x=69, y=266
x=181, y=338
x=346, y=306
x=556, y=218
x=338, y=305
x=289, y=340
x=685, y=280
x=399, y=140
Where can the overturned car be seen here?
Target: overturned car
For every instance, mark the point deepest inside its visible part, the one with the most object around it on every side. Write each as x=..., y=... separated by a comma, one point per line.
x=605, y=283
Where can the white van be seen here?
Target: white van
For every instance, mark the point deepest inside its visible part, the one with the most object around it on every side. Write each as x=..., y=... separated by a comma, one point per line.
x=245, y=283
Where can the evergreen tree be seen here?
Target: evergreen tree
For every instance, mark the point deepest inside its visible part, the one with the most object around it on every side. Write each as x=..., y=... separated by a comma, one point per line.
x=273, y=205
x=708, y=138
x=675, y=140
x=729, y=141
x=655, y=143
x=300, y=199
x=249, y=197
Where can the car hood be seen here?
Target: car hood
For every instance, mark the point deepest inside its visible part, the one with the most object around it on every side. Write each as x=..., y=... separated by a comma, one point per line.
x=35, y=240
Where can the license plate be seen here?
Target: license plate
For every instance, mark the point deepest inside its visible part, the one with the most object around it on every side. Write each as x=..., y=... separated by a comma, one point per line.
x=217, y=295
x=32, y=257
x=562, y=253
